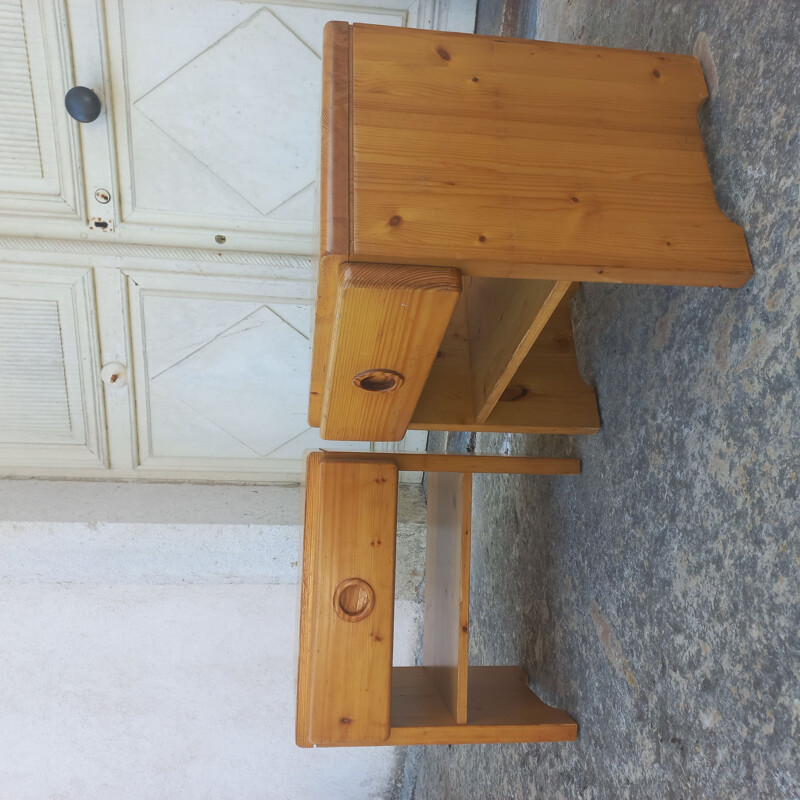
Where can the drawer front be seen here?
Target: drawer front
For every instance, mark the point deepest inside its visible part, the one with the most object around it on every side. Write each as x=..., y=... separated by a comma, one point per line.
x=351, y=605
x=388, y=324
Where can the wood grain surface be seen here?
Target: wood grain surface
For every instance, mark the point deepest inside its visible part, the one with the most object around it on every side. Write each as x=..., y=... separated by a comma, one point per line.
x=456, y=462
x=504, y=319
x=513, y=158
x=445, y=641
x=344, y=687
x=546, y=395
x=387, y=318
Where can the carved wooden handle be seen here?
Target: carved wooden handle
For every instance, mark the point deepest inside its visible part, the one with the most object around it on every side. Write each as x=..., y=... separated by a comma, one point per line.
x=378, y=380
x=353, y=600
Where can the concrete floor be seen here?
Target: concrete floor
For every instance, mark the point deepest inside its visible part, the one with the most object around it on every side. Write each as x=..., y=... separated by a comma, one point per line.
x=655, y=597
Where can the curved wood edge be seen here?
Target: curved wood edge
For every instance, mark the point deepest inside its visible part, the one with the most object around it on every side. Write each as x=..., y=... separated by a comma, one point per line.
x=334, y=212
x=334, y=197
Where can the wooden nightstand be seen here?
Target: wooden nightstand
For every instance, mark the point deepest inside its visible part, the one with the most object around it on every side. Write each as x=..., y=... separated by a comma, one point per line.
x=467, y=184
x=348, y=691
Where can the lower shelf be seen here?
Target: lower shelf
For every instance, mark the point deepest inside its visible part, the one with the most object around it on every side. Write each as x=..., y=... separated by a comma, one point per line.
x=500, y=708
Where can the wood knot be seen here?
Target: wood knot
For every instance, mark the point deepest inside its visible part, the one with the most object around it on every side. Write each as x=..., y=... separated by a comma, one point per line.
x=346, y=721
x=395, y=220
x=443, y=53
x=474, y=80
x=656, y=73
x=481, y=238
x=515, y=392
x=575, y=200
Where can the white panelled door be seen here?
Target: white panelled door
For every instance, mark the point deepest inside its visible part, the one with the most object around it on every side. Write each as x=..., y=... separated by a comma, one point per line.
x=171, y=238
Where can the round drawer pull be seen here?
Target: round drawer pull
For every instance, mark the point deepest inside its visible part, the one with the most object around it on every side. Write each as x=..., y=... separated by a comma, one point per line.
x=353, y=599
x=378, y=380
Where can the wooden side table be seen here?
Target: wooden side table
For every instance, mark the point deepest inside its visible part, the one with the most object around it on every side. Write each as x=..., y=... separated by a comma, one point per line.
x=467, y=184
x=348, y=691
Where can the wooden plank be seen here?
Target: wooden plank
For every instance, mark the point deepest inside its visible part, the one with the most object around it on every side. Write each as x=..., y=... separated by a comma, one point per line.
x=306, y=604
x=456, y=462
x=334, y=212
x=334, y=198
x=388, y=324
x=348, y=677
x=547, y=394
x=447, y=144
x=445, y=643
x=526, y=58
x=500, y=696
x=504, y=318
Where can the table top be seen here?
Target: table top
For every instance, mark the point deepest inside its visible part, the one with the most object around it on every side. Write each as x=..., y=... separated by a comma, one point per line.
x=516, y=158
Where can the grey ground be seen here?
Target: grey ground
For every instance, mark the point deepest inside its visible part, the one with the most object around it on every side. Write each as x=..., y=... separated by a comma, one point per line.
x=655, y=597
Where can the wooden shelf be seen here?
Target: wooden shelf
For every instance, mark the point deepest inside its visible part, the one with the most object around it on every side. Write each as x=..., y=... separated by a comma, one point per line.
x=500, y=708
x=546, y=394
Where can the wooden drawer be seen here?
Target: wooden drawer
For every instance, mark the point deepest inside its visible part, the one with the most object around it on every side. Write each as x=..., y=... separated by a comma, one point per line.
x=387, y=327
x=347, y=610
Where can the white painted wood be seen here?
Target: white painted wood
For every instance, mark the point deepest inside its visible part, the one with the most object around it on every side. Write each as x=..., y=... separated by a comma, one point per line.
x=39, y=171
x=50, y=405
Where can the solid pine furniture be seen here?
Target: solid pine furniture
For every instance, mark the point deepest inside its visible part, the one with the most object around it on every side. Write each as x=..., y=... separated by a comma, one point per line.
x=467, y=184
x=348, y=691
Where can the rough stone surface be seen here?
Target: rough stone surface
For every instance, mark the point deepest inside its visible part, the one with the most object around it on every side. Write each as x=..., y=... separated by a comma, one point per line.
x=655, y=597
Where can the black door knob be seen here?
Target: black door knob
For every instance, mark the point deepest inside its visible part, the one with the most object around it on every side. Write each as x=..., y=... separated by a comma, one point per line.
x=82, y=104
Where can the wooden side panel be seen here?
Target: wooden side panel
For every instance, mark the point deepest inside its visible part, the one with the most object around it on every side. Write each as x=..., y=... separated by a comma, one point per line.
x=388, y=322
x=347, y=677
x=536, y=160
x=546, y=395
x=445, y=648
x=455, y=462
x=334, y=196
x=504, y=318
x=334, y=216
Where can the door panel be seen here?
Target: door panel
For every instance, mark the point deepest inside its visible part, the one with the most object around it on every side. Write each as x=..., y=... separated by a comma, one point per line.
x=38, y=156
x=51, y=409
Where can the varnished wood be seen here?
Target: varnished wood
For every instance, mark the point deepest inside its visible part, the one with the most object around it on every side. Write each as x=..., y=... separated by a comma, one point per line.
x=468, y=464
x=334, y=198
x=445, y=641
x=501, y=708
x=532, y=159
x=386, y=318
x=335, y=145
x=308, y=585
x=511, y=160
x=504, y=319
x=348, y=693
x=350, y=540
x=546, y=395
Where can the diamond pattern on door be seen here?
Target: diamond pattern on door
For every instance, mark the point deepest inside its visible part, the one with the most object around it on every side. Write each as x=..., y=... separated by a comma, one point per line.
x=244, y=382
x=213, y=108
